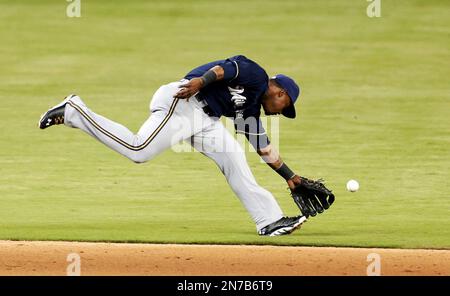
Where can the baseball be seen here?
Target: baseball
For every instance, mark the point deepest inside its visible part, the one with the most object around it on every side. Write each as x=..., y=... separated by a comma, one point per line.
x=352, y=185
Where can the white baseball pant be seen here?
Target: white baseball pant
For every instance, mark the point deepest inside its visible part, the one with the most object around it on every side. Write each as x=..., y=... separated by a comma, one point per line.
x=172, y=121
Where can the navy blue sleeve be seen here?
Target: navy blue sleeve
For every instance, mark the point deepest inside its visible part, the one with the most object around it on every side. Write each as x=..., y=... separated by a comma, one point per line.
x=243, y=71
x=230, y=69
x=200, y=70
x=229, y=66
x=238, y=70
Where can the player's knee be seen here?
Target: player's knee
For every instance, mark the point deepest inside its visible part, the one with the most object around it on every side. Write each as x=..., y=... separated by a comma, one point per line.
x=138, y=161
x=139, y=157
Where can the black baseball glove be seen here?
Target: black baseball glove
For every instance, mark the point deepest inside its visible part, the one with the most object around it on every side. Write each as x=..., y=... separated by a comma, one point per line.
x=312, y=197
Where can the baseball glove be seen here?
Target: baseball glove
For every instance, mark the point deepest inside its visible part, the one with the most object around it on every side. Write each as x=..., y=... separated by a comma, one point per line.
x=312, y=197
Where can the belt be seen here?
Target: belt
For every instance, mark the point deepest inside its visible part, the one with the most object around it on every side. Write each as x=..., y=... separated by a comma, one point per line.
x=205, y=106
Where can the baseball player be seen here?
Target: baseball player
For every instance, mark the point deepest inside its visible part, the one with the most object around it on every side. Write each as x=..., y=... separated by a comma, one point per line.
x=189, y=110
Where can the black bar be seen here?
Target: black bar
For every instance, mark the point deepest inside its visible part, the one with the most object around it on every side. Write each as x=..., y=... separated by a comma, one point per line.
x=223, y=285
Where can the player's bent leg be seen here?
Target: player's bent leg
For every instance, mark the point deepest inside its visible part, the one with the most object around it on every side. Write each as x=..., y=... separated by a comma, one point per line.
x=165, y=127
x=219, y=145
x=171, y=121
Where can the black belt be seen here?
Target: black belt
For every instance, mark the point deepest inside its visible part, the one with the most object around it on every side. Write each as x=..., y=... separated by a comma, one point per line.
x=208, y=110
x=205, y=108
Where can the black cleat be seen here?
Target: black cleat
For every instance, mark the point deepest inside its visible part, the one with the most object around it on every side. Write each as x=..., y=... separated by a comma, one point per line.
x=285, y=225
x=54, y=115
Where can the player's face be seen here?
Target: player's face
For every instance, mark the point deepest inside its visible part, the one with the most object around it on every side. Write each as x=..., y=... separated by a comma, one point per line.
x=275, y=102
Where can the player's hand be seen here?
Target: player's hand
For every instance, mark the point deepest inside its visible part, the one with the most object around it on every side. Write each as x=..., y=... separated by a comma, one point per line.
x=189, y=89
x=311, y=196
x=294, y=181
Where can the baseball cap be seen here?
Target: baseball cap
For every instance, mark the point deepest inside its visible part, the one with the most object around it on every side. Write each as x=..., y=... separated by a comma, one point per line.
x=293, y=91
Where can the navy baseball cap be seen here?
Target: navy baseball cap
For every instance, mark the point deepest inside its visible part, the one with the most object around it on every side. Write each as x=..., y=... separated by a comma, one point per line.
x=293, y=91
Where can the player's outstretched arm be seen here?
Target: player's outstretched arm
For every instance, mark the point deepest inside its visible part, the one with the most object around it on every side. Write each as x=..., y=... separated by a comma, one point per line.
x=274, y=160
x=311, y=197
x=194, y=85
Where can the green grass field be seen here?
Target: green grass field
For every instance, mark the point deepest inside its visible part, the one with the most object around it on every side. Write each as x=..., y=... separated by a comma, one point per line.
x=375, y=107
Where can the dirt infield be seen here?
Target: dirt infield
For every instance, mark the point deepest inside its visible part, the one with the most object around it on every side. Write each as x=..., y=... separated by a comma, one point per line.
x=50, y=258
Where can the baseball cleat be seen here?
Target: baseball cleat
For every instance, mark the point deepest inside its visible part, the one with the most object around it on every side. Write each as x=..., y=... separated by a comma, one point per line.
x=285, y=225
x=54, y=115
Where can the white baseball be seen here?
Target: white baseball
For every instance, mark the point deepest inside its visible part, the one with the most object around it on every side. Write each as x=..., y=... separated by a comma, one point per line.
x=352, y=185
